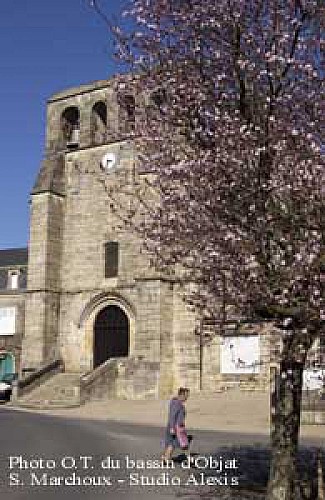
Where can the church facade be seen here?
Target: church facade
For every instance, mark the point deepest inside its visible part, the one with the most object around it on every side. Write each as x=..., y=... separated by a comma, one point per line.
x=91, y=298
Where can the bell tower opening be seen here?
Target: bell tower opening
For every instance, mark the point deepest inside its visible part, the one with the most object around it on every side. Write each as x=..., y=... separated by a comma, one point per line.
x=70, y=127
x=111, y=334
x=99, y=122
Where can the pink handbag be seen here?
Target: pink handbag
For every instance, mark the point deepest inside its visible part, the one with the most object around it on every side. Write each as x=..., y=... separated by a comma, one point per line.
x=182, y=436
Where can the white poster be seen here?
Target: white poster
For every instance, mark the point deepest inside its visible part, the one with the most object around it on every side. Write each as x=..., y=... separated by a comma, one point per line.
x=7, y=320
x=240, y=354
x=313, y=379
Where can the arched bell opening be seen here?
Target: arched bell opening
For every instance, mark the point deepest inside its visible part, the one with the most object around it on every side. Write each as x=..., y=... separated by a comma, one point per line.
x=99, y=123
x=127, y=113
x=70, y=127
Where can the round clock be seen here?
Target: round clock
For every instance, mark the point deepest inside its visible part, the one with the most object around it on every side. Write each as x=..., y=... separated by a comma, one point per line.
x=108, y=161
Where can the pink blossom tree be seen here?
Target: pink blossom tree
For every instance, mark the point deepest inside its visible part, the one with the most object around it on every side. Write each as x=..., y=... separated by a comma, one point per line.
x=234, y=136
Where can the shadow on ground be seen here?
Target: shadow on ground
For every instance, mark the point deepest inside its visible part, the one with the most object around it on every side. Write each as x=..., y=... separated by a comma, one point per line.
x=253, y=464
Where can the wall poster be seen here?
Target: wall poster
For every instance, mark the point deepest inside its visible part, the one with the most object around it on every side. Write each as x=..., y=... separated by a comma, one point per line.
x=240, y=354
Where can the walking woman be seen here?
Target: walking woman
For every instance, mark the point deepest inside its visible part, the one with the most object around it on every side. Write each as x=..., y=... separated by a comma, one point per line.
x=176, y=435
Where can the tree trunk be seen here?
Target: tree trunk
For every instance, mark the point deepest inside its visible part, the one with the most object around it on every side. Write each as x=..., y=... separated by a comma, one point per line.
x=285, y=432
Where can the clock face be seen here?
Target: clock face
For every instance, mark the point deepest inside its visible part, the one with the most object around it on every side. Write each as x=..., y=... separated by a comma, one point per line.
x=108, y=161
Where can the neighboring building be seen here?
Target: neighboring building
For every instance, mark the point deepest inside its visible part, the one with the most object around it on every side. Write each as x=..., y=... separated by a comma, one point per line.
x=92, y=298
x=13, y=274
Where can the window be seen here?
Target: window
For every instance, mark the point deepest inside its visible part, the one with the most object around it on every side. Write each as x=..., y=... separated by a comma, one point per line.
x=111, y=259
x=13, y=280
x=7, y=320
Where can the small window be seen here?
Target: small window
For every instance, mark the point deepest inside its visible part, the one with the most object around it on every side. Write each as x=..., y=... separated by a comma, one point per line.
x=111, y=259
x=13, y=280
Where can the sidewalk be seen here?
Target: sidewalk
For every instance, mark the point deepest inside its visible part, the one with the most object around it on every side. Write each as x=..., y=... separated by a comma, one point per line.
x=232, y=411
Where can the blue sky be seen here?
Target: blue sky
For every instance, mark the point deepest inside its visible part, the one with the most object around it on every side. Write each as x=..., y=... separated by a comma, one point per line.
x=45, y=46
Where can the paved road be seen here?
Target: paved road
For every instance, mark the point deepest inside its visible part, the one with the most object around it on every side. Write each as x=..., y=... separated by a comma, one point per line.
x=101, y=455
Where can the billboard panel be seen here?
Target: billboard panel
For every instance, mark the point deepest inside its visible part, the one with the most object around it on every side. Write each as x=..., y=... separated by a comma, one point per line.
x=240, y=354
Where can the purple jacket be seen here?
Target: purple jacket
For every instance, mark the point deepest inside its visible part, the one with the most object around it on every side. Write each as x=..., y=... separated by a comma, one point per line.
x=176, y=414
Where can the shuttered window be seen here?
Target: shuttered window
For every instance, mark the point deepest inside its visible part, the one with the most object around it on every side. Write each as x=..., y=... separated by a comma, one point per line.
x=111, y=259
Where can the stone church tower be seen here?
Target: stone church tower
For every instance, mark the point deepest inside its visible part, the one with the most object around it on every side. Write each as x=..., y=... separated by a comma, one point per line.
x=99, y=320
x=92, y=298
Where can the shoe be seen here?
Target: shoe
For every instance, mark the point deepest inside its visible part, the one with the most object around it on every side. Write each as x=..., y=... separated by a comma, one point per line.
x=165, y=460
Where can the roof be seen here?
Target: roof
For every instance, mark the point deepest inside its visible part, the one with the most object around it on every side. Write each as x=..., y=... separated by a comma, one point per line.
x=89, y=87
x=13, y=257
x=80, y=89
x=51, y=176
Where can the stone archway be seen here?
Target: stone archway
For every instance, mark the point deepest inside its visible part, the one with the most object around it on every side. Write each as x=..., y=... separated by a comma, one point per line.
x=111, y=338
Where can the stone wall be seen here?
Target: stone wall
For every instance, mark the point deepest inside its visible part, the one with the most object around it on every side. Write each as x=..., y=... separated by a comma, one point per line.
x=42, y=300
x=186, y=346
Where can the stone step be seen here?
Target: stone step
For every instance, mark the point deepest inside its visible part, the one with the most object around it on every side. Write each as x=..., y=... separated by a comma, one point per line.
x=44, y=404
x=60, y=391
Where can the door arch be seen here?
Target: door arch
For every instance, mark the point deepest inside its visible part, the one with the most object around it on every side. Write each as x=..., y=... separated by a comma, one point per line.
x=111, y=334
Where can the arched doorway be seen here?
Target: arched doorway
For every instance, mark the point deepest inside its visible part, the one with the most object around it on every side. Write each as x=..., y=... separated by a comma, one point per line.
x=7, y=364
x=111, y=334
